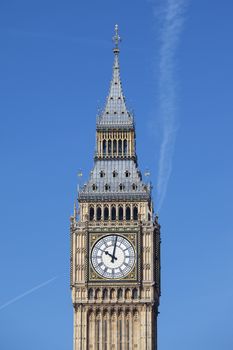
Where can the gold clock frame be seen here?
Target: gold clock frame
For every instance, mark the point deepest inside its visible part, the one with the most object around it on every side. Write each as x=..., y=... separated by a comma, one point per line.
x=132, y=237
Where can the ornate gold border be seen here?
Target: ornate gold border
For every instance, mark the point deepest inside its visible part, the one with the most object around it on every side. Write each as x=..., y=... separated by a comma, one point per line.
x=94, y=236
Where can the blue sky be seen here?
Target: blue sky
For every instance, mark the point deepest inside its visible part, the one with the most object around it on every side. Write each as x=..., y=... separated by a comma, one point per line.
x=56, y=61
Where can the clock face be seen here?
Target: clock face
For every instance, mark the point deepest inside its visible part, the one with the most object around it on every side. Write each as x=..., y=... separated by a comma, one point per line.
x=113, y=257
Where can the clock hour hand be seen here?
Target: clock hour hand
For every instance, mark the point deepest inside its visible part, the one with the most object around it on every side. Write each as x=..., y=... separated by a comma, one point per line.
x=114, y=250
x=113, y=257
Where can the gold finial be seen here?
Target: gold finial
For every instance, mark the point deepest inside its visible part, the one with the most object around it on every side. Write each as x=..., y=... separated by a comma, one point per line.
x=116, y=40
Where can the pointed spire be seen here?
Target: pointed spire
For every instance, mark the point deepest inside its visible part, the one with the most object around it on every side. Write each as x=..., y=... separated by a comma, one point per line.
x=115, y=112
x=116, y=39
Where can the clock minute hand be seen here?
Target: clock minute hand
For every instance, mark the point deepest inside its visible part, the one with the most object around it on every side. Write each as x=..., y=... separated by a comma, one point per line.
x=114, y=250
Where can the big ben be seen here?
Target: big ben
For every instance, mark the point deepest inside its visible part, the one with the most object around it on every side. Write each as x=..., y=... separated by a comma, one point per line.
x=115, y=239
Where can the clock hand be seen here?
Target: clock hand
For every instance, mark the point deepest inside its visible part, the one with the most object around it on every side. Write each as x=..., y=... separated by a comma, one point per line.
x=113, y=257
x=114, y=250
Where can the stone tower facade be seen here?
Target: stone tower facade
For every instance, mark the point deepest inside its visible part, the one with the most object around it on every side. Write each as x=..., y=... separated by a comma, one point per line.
x=115, y=239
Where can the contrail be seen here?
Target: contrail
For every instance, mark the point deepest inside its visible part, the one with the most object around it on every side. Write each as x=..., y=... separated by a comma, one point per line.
x=172, y=25
x=27, y=293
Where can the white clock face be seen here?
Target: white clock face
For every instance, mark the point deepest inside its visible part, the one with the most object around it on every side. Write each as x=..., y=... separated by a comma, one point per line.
x=113, y=257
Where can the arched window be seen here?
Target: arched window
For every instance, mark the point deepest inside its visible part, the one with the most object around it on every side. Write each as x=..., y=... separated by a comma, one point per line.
x=114, y=173
x=112, y=294
x=98, y=213
x=106, y=213
x=102, y=173
x=90, y=294
x=127, y=173
x=120, y=147
x=94, y=187
x=149, y=217
x=114, y=146
x=135, y=293
x=120, y=213
x=120, y=293
x=91, y=213
x=128, y=213
x=113, y=213
x=98, y=294
x=105, y=294
x=135, y=213
x=104, y=147
x=127, y=294
x=125, y=147
x=134, y=187
x=107, y=187
x=109, y=147
x=121, y=187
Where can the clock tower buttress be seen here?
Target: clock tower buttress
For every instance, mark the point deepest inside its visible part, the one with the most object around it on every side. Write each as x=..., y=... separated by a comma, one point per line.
x=115, y=239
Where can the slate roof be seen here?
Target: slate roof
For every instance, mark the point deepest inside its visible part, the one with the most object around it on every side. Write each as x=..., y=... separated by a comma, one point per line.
x=115, y=178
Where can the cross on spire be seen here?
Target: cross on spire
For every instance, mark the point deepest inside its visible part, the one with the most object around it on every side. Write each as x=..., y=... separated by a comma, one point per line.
x=116, y=40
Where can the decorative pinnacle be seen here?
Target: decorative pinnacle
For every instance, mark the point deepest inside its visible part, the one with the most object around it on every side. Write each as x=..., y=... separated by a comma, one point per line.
x=116, y=40
x=75, y=210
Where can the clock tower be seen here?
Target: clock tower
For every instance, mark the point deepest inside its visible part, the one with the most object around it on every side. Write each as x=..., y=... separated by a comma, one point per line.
x=115, y=239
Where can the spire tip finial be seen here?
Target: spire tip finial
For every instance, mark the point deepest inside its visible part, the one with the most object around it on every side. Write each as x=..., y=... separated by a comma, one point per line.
x=116, y=40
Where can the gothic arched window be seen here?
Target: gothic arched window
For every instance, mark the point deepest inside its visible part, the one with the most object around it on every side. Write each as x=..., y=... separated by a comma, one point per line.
x=98, y=294
x=106, y=213
x=125, y=147
x=128, y=213
x=135, y=293
x=113, y=213
x=98, y=213
x=120, y=213
x=120, y=147
x=120, y=293
x=135, y=213
x=104, y=147
x=91, y=213
x=121, y=187
x=114, y=146
x=94, y=187
x=109, y=147
x=90, y=294
x=105, y=294
x=127, y=294
x=107, y=187
x=112, y=294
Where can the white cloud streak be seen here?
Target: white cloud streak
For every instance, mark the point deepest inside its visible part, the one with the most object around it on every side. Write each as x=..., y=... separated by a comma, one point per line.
x=172, y=25
x=41, y=285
